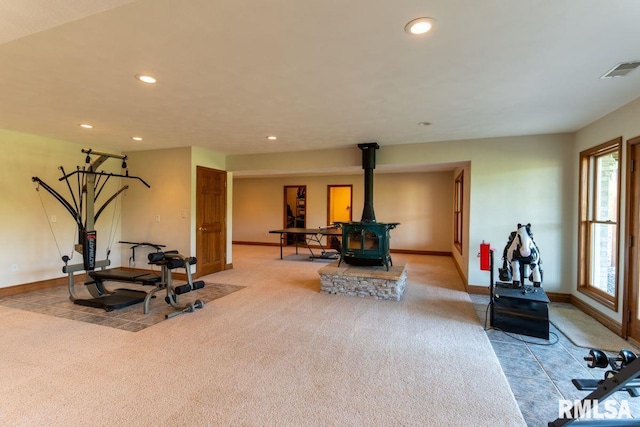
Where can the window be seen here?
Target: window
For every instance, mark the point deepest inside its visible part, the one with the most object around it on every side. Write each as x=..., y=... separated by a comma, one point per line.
x=457, y=212
x=598, y=234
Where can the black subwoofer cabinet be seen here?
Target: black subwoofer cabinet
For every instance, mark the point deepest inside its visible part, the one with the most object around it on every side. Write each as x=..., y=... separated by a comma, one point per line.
x=523, y=311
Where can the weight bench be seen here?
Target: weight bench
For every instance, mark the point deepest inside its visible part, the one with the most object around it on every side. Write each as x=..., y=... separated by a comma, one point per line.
x=117, y=275
x=169, y=261
x=119, y=298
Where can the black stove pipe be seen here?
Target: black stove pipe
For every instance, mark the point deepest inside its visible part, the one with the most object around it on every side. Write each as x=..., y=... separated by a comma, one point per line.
x=368, y=164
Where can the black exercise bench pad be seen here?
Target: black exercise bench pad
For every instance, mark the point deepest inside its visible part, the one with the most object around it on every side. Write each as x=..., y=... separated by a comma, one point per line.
x=120, y=298
x=117, y=275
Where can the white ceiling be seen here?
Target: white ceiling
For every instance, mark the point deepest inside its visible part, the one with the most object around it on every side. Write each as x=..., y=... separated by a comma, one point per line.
x=316, y=73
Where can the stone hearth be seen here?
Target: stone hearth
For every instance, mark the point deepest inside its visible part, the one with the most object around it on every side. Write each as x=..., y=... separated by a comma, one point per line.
x=365, y=282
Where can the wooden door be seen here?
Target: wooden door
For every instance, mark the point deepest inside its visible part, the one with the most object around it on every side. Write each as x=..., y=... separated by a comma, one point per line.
x=339, y=201
x=631, y=303
x=211, y=230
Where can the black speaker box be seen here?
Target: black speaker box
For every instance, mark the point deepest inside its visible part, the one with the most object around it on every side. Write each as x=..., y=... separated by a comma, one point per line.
x=523, y=311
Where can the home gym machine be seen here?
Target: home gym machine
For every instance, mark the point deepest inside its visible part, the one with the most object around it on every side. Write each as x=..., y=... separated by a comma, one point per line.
x=515, y=308
x=623, y=375
x=89, y=183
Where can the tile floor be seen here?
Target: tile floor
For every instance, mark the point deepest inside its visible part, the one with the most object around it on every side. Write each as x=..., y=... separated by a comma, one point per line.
x=56, y=302
x=540, y=372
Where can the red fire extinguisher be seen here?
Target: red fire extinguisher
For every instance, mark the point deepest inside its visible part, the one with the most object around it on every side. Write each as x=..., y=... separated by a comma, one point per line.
x=485, y=254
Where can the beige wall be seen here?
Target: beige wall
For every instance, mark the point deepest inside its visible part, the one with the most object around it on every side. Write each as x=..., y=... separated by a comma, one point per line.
x=172, y=197
x=510, y=180
x=303, y=162
x=169, y=200
x=27, y=232
x=421, y=202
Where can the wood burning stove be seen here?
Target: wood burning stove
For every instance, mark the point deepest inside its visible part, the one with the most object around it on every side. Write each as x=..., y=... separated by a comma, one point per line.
x=367, y=242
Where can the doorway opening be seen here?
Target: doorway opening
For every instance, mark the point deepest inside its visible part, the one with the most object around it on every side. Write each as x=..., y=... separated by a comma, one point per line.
x=295, y=210
x=339, y=201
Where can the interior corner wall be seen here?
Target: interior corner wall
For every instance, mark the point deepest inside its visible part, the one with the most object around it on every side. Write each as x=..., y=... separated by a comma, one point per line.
x=620, y=123
x=535, y=191
x=421, y=202
x=213, y=160
x=520, y=179
x=160, y=214
x=512, y=179
x=31, y=240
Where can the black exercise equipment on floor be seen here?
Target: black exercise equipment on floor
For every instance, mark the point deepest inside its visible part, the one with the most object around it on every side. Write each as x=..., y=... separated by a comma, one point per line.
x=623, y=375
x=169, y=261
x=517, y=309
x=136, y=245
x=119, y=298
x=523, y=311
x=89, y=183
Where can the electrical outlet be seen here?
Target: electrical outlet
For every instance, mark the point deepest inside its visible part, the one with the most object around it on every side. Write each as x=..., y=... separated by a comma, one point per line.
x=14, y=267
x=54, y=218
x=158, y=218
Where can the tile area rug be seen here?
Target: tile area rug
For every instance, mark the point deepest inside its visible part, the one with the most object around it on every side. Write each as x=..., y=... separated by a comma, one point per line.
x=56, y=302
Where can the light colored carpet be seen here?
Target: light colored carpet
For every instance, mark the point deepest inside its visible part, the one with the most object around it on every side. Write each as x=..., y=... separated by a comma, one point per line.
x=583, y=330
x=278, y=353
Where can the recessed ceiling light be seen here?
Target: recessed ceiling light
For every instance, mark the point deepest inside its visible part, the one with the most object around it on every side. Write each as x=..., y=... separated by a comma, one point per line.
x=272, y=138
x=146, y=78
x=86, y=125
x=424, y=124
x=419, y=26
x=136, y=138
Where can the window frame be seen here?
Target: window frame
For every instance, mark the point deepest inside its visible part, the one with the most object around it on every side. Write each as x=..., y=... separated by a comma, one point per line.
x=458, y=213
x=587, y=217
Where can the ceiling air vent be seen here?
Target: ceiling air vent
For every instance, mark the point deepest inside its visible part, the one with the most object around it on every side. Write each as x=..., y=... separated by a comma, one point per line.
x=621, y=69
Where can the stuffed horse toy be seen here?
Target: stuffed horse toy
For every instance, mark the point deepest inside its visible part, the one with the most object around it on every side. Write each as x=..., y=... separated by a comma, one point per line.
x=521, y=249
